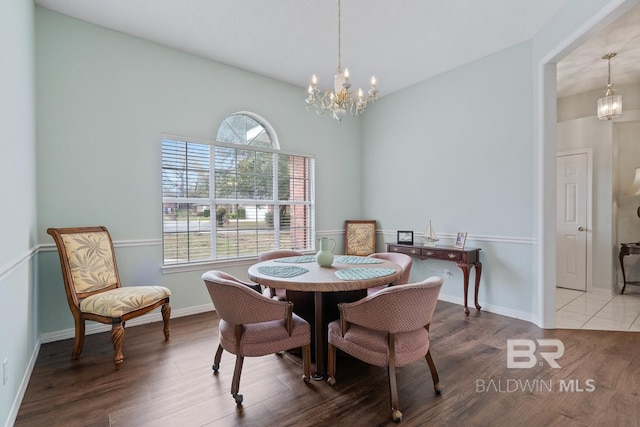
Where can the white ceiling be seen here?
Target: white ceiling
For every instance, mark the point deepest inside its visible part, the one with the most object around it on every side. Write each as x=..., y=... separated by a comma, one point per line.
x=584, y=69
x=402, y=42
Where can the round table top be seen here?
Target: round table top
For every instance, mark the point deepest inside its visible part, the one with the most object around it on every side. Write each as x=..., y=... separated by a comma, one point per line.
x=323, y=279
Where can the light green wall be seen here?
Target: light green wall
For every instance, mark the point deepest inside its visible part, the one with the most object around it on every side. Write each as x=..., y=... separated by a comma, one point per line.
x=105, y=98
x=18, y=299
x=456, y=149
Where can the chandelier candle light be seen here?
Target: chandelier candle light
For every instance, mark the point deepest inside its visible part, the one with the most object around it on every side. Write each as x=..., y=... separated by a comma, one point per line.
x=341, y=99
x=610, y=105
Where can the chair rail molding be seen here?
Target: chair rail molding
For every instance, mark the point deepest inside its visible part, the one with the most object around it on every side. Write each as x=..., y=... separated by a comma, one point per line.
x=7, y=269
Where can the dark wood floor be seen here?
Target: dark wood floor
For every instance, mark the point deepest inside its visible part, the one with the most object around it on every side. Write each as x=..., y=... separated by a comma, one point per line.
x=172, y=384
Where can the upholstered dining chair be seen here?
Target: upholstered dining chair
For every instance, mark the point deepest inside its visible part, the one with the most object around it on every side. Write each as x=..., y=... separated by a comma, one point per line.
x=389, y=328
x=279, y=294
x=402, y=260
x=93, y=287
x=252, y=325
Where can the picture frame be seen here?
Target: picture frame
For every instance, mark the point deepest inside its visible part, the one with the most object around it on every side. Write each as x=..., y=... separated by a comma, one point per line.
x=405, y=237
x=461, y=238
x=359, y=237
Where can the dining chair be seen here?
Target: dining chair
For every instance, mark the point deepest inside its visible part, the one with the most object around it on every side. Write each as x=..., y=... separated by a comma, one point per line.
x=402, y=260
x=389, y=328
x=252, y=325
x=279, y=294
x=93, y=287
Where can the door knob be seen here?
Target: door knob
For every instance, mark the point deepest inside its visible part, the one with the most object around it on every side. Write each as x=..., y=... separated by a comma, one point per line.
x=581, y=228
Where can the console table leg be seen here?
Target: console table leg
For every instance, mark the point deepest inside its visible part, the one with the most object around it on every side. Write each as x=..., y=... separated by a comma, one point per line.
x=624, y=276
x=465, y=273
x=478, y=273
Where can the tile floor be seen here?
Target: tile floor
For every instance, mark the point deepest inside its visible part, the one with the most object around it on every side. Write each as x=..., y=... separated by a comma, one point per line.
x=583, y=310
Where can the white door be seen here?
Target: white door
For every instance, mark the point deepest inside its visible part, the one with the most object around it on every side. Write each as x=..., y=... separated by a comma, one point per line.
x=571, y=232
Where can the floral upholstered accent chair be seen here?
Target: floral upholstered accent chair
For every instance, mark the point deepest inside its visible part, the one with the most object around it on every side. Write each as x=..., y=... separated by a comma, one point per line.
x=389, y=328
x=93, y=287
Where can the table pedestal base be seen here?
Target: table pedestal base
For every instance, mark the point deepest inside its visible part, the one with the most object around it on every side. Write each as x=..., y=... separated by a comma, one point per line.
x=319, y=309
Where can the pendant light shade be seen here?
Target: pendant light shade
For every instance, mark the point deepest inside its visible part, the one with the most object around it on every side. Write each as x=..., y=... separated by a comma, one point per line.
x=610, y=105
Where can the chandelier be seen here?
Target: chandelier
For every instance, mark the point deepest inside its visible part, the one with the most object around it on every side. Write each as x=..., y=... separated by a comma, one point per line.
x=610, y=105
x=342, y=98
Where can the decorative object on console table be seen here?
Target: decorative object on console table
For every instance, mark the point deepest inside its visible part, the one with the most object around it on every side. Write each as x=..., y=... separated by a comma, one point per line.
x=628, y=249
x=359, y=237
x=464, y=258
x=429, y=236
x=405, y=237
x=460, y=240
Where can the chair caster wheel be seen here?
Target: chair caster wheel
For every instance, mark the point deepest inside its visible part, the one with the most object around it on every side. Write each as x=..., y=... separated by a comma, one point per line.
x=438, y=389
x=215, y=367
x=396, y=415
x=331, y=381
x=238, y=399
x=306, y=378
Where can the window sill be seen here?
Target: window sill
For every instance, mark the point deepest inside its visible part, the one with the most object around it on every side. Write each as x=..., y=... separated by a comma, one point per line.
x=207, y=265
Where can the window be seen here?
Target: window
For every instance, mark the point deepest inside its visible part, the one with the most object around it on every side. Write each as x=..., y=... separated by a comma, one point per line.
x=236, y=197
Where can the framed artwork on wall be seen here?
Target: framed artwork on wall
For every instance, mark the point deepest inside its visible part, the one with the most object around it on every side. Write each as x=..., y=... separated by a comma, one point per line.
x=360, y=237
x=405, y=237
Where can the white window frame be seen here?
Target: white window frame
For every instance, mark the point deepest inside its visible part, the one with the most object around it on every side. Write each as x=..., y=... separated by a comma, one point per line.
x=213, y=201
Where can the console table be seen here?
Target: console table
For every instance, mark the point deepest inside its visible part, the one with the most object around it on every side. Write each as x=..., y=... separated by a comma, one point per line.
x=464, y=258
x=627, y=249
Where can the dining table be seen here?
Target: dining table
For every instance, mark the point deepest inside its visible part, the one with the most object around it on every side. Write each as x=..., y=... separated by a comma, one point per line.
x=316, y=291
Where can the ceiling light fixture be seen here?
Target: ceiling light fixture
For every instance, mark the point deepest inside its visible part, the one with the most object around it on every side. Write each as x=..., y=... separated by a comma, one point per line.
x=341, y=99
x=610, y=105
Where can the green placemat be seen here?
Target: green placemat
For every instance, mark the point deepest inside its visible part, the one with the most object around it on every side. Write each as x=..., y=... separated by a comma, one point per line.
x=363, y=273
x=281, y=271
x=297, y=259
x=351, y=259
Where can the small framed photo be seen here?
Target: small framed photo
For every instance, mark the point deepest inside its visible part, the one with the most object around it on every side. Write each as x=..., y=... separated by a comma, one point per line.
x=405, y=237
x=460, y=239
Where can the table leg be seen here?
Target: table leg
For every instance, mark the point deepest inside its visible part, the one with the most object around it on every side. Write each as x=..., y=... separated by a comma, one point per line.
x=478, y=273
x=465, y=273
x=624, y=276
x=319, y=334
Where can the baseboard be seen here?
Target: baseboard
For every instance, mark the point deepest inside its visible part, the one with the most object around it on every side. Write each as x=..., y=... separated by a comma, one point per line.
x=496, y=309
x=13, y=413
x=96, y=328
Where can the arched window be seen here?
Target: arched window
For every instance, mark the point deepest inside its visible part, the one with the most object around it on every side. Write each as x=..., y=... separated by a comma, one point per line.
x=235, y=197
x=247, y=129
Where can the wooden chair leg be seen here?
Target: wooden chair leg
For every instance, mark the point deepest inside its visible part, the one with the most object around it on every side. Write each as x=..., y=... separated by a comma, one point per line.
x=434, y=373
x=235, y=384
x=393, y=387
x=166, y=318
x=79, y=339
x=216, y=360
x=306, y=363
x=332, y=365
x=117, y=338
